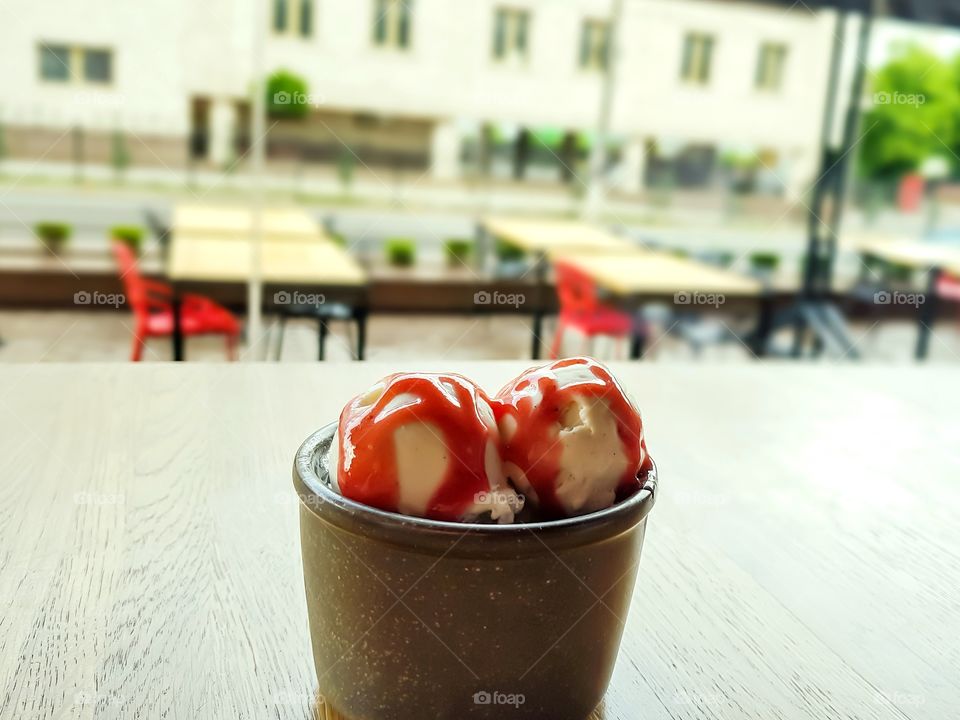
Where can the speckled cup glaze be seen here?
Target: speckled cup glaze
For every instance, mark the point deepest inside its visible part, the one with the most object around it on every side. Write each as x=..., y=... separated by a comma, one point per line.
x=413, y=619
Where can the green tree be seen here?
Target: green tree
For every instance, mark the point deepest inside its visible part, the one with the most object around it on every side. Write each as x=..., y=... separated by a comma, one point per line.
x=287, y=95
x=915, y=113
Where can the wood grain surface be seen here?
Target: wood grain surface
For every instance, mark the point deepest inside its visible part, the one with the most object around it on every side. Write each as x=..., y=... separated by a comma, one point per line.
x=544, y=236
x=802, y=562
x=651, y=273
x=231, y=220
x=221, y=259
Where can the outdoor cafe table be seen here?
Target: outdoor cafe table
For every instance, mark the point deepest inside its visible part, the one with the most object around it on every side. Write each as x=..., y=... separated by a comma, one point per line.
x=647, y=275
x=287, y=223
x=935, y=259
x=286, y=264
x=798, y=564
x=541, y=238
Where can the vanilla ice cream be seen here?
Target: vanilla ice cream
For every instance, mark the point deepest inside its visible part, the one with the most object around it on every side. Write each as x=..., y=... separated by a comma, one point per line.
x=571, y=439
x=423, y=445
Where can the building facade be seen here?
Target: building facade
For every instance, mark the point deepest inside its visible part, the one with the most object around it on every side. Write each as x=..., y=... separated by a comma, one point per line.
x=509, y=88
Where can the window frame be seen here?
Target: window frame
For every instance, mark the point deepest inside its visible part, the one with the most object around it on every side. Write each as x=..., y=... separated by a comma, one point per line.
x=395, y=18
x=45, y=50
x=771, y=64
x=696, y=63
x=75, y=64
x=594, y=55
x=511, y=35
x=85, y=52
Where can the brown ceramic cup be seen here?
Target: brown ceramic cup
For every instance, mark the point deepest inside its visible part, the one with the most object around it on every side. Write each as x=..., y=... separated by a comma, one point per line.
x=413, y=619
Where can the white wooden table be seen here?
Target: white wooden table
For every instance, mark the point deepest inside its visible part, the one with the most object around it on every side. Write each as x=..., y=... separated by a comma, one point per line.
x=232, y=220
x=287, y=265
x=802, y=561
x=934, y=259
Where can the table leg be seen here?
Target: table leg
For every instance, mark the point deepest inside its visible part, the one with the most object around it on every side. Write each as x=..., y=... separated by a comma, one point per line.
x=927, y=316
x=361, y=333
x=540, y=273
x=761, y=335
x=537, y=334
x=176, y=307
x=321, y=338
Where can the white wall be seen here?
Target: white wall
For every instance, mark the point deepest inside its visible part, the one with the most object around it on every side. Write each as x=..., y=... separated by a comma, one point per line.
x=167, y=50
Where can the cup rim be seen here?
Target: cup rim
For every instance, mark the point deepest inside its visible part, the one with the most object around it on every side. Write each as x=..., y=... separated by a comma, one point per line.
x=316, y=495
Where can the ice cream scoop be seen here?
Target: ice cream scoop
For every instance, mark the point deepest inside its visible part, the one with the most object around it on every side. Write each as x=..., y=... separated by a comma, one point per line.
x=571, y=439
x=425, y=445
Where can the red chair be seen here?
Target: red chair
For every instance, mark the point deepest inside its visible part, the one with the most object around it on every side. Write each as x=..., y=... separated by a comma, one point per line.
x=948, y=287
x=150, y=301
x=582, y=310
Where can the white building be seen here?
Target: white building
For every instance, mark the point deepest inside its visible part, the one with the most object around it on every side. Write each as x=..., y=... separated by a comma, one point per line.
x=424, y=82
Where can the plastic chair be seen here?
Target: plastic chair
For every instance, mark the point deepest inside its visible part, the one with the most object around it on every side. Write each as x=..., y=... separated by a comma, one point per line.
x=948, y=287
x=582, y=310
x=152, y=308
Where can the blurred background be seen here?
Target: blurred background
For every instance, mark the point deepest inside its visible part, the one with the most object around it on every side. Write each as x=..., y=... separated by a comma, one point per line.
x=302, y=179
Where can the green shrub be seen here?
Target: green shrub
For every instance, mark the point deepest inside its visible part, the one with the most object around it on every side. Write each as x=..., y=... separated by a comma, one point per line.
x=458, y=251
x=287, y=95
x=766, y=261
x=337, y=239
x=401, y=252
x=130, y=235
x=508, y=253
x=53, y=235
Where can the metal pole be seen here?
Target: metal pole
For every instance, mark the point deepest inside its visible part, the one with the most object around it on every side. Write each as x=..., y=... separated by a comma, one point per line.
x=258, y=152
x=598, y=152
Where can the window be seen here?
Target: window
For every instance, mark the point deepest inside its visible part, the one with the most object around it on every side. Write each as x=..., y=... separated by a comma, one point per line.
x=97, y=66
x=511, y=28
x=280, y=16
x=306, y=18
x=55, y=63
x=293, y=16
x=770, y=63
x=697, y=56
x=391, y=23
x=595, y=45
x=65, y=63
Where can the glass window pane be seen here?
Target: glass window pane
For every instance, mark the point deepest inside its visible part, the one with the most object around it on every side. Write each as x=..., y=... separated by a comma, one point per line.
x=306, y=18
x=380, y=10
x=404, y=7
x=55, y=62
x=686, y=70
x=706, y=58
x=97, y=66
x=279, y=15
x=585, y=46
x=521, y=36
x=500, y=34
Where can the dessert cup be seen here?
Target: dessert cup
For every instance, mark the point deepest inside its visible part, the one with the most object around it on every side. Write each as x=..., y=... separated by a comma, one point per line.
x=413, y=618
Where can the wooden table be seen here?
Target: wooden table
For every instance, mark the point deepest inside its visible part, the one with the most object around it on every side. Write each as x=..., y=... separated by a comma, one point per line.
x=644, y=275
x=542, y=239
x=546, y=236
x=935, y=259
x=648, y=273
x=232, y=220
x=287, y=265
x=802, y=561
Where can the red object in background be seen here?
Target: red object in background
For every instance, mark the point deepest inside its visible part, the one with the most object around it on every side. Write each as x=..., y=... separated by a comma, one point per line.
x=910, y=193
x=948, y=288
x=150, y=301
x=582, y=310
